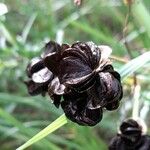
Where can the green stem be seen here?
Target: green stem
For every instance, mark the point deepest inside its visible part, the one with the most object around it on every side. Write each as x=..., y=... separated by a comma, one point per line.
x=62, y=120
x=136, y=96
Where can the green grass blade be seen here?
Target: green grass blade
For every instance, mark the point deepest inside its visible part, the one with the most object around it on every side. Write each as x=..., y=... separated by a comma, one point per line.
x=7, y=34
x=134, y=64
x=28, y=132
x=49, y=129
x=92, y=31
x=27, y=28
x=7, y=98
x=142, y=15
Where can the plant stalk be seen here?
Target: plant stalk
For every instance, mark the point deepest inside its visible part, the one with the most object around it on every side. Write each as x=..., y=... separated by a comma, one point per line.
x=62, y=120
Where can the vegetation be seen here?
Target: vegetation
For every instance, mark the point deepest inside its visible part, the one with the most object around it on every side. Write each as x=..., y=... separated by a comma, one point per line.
x=25, y=29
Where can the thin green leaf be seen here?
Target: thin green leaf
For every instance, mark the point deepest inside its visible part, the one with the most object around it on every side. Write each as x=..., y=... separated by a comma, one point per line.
x=134, y=65
x=49, y=129
x=142, y=15
x=28, y=26
x=92, y=31
x=26, y=131
x=7, y=34
x=7, y=98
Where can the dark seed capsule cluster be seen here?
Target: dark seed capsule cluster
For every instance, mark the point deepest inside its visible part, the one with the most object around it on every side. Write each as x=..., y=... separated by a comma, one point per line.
x=82, y=75
x=130, y=138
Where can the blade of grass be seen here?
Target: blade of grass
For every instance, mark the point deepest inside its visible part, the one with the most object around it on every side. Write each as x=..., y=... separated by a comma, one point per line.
x=92, y=31
x=74, y=16
x=134, y=65
x=44, y=105
x=28, y=26
x=27, y=131
x=62, y=120
x=141, y=15
x=99, y=35
x=7, y=35
x=94, y=142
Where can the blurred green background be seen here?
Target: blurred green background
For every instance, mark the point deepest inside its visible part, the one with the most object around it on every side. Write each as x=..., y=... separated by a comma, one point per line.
x=25, y=29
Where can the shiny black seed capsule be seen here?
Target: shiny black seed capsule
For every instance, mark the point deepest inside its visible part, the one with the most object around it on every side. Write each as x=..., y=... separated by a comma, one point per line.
x=130, y=138
x=82, y=75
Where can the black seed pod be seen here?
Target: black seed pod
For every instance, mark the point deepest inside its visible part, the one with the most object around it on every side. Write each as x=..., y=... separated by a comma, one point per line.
x=130, y=138
x=82, y=75
x=39, y=76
